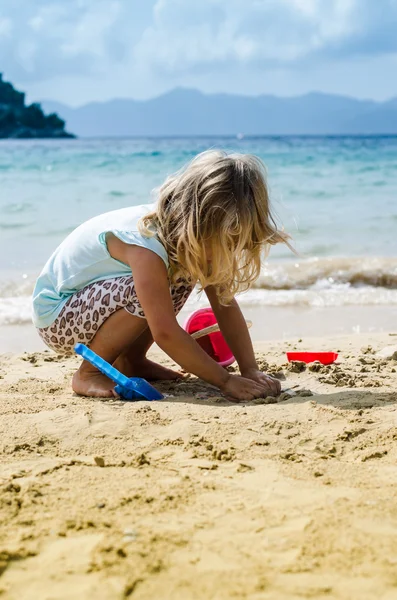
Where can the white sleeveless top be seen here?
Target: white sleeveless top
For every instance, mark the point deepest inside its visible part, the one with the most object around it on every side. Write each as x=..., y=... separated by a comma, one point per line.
x=83, y=258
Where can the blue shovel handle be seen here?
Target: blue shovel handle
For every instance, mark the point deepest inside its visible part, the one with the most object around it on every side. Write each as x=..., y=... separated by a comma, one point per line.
x=128, y=388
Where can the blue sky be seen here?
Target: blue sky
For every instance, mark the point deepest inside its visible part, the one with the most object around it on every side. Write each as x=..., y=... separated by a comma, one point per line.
x=77, y=51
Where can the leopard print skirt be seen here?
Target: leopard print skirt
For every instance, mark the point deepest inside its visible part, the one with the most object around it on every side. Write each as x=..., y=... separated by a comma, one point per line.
x=87, y=310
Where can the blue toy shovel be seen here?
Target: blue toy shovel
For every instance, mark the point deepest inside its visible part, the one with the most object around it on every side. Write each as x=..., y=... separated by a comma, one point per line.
x=128, y=388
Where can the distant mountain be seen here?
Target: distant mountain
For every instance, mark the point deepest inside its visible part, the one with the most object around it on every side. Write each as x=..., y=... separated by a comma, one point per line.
x=18, y=120
x=190, y=112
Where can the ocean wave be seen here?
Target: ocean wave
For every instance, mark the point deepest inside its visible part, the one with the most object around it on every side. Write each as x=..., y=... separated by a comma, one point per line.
x=13, y=288
x=116, y=193
x=17, y=310
x=315, y=275
x=311, y=283
x=337, y=296
x=7, y=226
x=17, y=207
x=329, y=272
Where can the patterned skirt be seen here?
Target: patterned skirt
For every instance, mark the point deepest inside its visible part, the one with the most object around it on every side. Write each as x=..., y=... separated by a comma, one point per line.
x=87, y=310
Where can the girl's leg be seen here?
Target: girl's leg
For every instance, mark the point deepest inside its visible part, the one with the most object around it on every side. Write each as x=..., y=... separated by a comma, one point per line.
x=133, y=362
x=112, y=338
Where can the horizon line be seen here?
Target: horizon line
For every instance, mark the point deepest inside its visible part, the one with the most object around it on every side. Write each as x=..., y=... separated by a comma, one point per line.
x=204, y=136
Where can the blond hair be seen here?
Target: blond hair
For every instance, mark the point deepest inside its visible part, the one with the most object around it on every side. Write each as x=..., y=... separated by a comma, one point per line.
x=220, y=202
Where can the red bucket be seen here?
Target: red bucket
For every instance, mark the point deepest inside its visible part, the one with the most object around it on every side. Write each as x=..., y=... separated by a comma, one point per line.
x=214, y=344
x=325, y=358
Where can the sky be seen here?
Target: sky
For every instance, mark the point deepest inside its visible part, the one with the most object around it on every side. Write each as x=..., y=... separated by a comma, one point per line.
x=78, y=51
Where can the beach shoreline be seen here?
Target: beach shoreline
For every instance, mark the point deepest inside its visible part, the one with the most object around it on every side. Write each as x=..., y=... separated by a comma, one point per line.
x=269, y=323
x=198, y=497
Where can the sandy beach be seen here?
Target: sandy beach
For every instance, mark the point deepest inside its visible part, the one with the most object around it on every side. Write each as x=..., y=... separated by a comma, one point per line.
x=146, y=145
x=197, y=497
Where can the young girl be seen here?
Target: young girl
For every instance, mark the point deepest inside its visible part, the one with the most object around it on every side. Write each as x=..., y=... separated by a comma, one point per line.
x=117, y=281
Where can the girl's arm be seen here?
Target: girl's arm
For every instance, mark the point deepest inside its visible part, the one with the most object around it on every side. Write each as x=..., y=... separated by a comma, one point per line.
x=235, y=331
x=152, y=288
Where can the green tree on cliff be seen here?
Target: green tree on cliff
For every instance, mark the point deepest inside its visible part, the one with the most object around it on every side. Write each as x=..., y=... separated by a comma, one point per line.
x=20, y=121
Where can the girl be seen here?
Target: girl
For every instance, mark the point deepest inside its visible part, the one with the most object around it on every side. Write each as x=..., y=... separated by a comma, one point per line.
x=117, y=281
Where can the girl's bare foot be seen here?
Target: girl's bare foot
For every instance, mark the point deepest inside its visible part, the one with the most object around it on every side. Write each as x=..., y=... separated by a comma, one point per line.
x=145, y=368
x=87, y=382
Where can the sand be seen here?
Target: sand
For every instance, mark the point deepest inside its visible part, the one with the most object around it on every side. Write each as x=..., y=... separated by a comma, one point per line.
x=195, y=497
x=269, y=323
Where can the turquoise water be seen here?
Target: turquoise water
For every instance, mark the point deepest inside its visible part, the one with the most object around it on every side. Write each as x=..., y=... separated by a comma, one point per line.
x=337, y=196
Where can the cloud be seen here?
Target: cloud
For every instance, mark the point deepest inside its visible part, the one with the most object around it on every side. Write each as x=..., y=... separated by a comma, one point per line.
x=142, y=47
x=57, y=37
x=272, y=33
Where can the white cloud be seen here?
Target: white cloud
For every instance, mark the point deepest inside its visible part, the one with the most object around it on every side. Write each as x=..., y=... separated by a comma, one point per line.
x=272, y=32
x=89, y=33
x=142, y=47
x=55, y=36
x=36, y=23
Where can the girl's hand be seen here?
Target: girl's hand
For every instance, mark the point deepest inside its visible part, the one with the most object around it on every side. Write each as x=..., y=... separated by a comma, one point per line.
x=243, y=388
x=271, y=385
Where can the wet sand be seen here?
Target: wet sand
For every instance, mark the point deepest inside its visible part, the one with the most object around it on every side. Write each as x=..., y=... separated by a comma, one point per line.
x=195, y=497
x=269, y=323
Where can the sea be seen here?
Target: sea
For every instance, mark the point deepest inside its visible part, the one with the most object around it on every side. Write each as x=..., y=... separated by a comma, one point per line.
x=336, y=196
